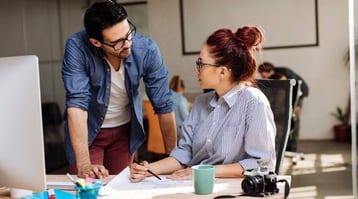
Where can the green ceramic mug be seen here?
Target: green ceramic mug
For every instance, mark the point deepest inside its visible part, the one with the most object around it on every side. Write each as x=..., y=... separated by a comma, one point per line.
x=203, y=179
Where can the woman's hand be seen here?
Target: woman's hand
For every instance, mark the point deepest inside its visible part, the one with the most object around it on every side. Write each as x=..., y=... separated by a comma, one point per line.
x=138, y=171
x=182, y=174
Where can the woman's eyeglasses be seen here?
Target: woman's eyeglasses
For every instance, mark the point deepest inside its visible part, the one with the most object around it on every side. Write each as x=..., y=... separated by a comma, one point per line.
x=200, y=64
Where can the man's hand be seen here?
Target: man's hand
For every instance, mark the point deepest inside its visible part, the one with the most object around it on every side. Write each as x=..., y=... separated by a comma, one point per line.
x=92, y=171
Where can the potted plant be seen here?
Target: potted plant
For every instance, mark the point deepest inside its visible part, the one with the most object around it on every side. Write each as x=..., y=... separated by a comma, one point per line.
x=342, y=130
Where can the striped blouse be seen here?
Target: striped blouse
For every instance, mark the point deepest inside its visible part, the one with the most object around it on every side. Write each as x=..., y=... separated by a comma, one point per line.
x=237, y=127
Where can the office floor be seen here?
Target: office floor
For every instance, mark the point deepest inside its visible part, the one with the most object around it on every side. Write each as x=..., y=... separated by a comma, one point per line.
x=325, y=172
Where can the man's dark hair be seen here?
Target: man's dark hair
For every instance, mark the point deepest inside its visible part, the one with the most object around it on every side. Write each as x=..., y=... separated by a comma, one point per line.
x=101, y=15
x=266, y=67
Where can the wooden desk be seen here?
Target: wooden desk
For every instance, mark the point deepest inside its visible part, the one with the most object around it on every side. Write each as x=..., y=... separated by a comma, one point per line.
x=223, y=186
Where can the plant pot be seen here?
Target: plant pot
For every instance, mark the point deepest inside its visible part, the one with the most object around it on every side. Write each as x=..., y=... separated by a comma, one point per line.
x=341, y=132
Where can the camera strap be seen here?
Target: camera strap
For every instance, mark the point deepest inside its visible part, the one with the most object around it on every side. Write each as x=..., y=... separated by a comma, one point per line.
x=287, y=187
x=286, y=192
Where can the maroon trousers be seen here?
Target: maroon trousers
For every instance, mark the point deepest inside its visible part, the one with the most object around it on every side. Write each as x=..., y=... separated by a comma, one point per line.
x=111, y=149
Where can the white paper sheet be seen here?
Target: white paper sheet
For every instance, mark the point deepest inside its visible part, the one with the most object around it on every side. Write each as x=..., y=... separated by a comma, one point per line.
x=122, y=183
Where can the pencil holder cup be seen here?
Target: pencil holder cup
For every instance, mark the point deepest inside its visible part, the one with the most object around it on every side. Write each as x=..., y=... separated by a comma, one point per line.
x=89, y=191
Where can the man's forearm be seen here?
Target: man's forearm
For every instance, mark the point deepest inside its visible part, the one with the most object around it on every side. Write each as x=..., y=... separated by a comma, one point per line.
x=169, y=131
x=77, y=123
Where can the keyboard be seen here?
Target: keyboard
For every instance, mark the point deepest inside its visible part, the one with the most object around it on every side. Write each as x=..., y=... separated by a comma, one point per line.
x=63, y=185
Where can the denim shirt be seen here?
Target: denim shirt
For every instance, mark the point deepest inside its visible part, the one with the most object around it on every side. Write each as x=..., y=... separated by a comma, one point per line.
x=87, y=80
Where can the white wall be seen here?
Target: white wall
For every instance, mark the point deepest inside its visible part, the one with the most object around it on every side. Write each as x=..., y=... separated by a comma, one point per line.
x=322, y=66
x=42, y=26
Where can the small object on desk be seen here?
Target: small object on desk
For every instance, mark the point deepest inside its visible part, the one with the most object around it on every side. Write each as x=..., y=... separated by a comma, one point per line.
x=51, y=194
x=73, y=180
x=88, y=185
x=88, y=180
x=155, y=175
x=81, y=182
x=89, y=191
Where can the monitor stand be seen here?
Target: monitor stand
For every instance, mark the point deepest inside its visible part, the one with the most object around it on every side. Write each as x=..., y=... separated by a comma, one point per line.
x=19, y=193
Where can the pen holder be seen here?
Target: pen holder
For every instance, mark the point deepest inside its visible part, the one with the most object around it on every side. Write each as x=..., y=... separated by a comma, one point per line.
x=89, y=191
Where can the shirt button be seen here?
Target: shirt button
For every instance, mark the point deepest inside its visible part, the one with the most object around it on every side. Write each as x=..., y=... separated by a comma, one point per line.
x=106, y=105
x=102, y=118
x=209, y=140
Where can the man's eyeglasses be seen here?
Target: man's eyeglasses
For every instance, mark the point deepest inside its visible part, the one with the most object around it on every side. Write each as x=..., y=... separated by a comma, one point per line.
x=200, y=64
x=120, y=42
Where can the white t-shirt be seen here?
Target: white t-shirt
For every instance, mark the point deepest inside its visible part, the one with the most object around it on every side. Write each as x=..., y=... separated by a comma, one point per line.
x=119, y=111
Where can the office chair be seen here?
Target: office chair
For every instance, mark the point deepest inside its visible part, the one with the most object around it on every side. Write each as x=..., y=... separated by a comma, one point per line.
x=297, y=93
x=279, y=94
x=155, y=142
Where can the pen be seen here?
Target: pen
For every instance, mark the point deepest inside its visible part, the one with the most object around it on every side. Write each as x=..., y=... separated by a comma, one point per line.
x=51, y=194
x=73, y=180
x=151, y=172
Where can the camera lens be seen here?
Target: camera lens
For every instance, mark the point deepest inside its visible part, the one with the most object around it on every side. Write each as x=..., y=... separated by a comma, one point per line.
x=253, y=184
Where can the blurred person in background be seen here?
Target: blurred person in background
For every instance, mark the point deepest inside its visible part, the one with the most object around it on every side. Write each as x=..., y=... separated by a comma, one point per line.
x=181, y=105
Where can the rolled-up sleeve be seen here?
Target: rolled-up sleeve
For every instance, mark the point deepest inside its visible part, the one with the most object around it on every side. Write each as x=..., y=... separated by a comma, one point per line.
x=156, y=81
x=75, y=77
x=183, y=153
x=260, y=137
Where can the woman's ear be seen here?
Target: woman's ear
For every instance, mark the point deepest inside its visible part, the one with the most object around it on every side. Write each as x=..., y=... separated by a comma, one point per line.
x=95, y=42
x=223, y=70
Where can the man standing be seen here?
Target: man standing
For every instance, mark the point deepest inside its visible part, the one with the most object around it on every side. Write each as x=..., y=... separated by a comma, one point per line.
x=101, y=70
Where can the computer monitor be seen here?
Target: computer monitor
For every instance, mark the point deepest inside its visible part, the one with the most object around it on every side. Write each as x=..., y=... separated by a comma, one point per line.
x=22, y=164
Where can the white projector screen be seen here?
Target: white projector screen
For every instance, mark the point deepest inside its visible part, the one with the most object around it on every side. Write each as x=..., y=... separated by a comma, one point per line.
x=286, y=23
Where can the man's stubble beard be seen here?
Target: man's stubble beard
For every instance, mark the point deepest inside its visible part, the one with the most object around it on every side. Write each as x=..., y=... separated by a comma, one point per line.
x=124, y=53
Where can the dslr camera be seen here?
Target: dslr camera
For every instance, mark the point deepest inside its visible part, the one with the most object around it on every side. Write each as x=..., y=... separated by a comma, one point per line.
x=259, y=181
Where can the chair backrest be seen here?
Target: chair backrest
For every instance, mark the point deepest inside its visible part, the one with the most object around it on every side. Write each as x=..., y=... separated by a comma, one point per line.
x=297, y=93
x=155, y=142
x=279, y=94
